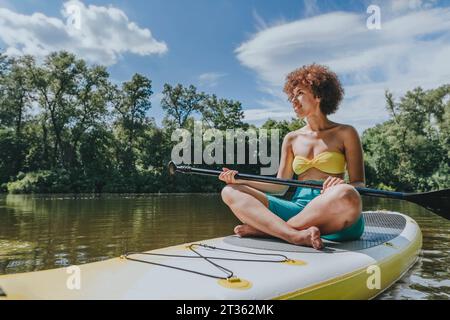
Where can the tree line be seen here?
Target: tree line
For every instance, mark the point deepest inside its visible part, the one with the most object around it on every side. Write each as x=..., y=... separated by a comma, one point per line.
x=66, y=127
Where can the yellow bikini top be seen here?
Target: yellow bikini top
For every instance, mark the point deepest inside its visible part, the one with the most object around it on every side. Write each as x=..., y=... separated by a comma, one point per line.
x=328, y=161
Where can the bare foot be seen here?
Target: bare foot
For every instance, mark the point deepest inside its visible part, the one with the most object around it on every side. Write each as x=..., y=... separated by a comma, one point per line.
x=244, y=230
x=309, y=237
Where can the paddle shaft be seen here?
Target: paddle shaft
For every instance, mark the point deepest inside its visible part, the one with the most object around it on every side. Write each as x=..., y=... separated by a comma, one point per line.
x=290, y=182
x=437, y=201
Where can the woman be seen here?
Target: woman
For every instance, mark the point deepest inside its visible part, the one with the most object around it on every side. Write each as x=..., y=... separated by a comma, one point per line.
x=321, y=150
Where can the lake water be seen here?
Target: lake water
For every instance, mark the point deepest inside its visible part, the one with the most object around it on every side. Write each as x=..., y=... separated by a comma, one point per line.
x=50, y=231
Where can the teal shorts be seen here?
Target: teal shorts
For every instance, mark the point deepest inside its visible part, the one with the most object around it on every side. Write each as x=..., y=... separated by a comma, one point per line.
x=286, y=209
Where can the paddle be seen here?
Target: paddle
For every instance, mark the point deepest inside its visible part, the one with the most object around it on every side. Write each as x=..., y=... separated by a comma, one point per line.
x=435, y=201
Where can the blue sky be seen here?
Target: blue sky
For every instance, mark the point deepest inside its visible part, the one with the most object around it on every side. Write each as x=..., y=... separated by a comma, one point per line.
x=242, y=50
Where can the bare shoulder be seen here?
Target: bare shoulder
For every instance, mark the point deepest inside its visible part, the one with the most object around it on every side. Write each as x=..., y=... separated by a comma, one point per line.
x=295, y=135
x=347, y=131
x=292, y=135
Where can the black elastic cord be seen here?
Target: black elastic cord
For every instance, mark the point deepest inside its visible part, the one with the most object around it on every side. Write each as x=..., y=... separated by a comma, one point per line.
x=228, y=272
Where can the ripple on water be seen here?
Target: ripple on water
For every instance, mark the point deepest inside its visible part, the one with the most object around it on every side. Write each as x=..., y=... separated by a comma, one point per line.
x=14, y=247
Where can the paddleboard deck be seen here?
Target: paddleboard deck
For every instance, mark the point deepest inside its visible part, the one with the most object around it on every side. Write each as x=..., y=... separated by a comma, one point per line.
x=261, y=268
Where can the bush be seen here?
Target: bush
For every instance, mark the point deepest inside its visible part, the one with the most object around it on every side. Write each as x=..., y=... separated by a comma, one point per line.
x=42, y=181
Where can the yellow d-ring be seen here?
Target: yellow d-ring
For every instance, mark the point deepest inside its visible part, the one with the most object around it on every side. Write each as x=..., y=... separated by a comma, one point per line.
x=293, y=262
x=235, y=283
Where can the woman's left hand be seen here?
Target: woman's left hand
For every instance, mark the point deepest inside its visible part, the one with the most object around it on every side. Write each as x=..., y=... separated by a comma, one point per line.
x=330, y=182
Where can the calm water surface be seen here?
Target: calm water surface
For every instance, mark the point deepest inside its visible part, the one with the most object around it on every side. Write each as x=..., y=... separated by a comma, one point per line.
x=49, y=231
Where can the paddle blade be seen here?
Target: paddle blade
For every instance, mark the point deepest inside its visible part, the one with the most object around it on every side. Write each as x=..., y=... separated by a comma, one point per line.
x=435, y=201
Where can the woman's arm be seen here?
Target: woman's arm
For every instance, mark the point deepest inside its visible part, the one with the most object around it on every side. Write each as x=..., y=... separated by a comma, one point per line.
x=354, y=157
x=285, y=170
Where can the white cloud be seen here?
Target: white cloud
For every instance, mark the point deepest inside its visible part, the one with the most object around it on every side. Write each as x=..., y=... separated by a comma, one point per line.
x=403, y=5
x=99, y=34
x=310, y=7
x=272, y=110
x=410, y=50
x=210, y=79
x=260, y=23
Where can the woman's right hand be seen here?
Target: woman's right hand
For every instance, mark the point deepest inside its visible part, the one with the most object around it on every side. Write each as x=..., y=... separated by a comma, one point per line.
x=227, y=176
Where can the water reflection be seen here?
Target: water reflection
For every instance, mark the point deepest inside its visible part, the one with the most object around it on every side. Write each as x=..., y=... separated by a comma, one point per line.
x=42, y=232
x=429, y=278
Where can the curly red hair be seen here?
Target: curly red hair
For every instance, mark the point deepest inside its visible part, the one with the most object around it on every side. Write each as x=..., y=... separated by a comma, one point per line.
x=321, y=81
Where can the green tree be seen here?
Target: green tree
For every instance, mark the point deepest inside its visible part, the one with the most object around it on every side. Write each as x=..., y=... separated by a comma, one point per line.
x=222, y=114
x=15, y=103
x=284, y=126
x=411, y=151
x=4, y=63
x=56, y=83
x=180, y=103
x=98, y=159
x=90, y=102
x=131, y=105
